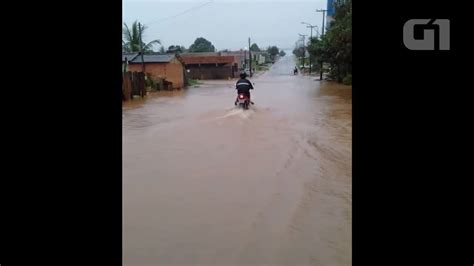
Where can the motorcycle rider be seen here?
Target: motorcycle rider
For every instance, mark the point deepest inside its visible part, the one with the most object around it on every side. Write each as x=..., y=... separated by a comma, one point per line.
x=243, y=86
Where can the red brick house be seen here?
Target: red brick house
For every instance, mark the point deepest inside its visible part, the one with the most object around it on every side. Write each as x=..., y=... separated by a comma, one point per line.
x=163, y=66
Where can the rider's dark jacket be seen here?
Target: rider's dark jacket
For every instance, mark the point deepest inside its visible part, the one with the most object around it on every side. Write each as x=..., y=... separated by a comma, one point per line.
x=244, y=86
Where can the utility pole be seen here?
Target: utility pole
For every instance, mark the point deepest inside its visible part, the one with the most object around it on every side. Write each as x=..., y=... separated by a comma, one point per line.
x=324, y=15
x=322, y=34
x=141, y=46
x=245, y=59
x=311, y=37
x=304, y=47
x=250, y=60
x=242, y=60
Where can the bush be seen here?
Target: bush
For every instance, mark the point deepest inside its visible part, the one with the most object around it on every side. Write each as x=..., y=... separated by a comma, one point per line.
x=149, y=82
x=347, y=80
x=193, y=82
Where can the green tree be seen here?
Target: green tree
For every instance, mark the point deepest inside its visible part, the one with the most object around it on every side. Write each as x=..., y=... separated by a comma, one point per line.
x=254, y=48
x=131, y=39
x=282, y=53
x=298, y=51
x=273, y=51
x=202, y=45
x=176, y=49
x=335, y=47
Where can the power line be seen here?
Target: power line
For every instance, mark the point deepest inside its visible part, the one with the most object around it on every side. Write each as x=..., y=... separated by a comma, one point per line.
x=179, y=14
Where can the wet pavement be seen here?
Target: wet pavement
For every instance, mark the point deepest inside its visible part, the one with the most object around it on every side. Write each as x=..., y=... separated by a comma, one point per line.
x=205, y=183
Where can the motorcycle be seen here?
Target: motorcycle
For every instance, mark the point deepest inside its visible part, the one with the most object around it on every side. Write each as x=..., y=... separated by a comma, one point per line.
x=243, y=101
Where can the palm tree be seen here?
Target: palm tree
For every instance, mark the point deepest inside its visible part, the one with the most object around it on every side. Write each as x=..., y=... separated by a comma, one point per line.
x=132, y=39
x=125, y=47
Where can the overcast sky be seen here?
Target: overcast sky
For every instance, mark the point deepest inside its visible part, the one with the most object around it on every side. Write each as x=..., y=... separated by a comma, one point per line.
x=225, y=23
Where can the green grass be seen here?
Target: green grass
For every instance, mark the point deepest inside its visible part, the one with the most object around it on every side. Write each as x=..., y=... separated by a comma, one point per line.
x=262, y=67
x=194, y=82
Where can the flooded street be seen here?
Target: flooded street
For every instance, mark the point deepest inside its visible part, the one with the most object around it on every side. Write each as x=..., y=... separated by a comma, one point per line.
x=205, y=183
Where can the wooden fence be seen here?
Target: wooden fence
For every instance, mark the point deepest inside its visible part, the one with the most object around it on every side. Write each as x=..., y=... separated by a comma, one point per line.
x=133, y=83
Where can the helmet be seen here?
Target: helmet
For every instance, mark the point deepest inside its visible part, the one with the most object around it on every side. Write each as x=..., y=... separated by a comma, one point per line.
x=243, y=75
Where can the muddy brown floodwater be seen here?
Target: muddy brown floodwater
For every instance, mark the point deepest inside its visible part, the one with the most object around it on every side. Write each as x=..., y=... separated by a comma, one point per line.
x=205, y=183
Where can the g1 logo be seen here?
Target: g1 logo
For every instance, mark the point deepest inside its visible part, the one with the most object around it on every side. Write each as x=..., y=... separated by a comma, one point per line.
x=435, y=34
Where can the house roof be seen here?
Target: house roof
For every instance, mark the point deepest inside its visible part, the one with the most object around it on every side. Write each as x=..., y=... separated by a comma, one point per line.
x=129, y=56
x=159, y=58
x=189, y=60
